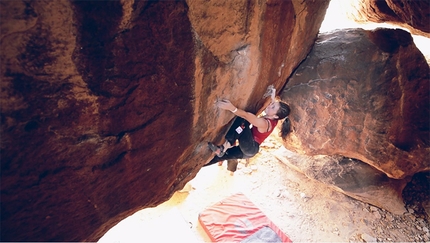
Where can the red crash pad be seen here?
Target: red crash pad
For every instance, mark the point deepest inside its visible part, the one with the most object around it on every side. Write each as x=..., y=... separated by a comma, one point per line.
x=237, y=219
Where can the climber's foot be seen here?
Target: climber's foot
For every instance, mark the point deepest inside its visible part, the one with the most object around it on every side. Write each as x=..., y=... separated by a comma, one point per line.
x=218, y=150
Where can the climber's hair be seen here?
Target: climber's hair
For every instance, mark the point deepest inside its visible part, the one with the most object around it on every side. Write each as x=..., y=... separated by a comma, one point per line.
x=283, y=112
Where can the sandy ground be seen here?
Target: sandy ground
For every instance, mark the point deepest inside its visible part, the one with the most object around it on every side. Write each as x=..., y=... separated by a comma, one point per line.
x=305, y=210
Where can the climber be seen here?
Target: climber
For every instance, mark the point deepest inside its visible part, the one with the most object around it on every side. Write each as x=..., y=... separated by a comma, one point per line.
x=249, y=139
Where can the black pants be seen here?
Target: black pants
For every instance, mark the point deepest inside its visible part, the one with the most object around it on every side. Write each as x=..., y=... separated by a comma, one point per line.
x=247, y=147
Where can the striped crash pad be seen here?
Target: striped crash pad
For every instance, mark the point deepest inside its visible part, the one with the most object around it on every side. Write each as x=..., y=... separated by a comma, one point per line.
x=237, y=219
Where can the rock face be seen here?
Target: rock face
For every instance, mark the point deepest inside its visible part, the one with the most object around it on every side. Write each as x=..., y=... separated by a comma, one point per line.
x=351, y=177
x=364, y=95
x=412, y=15
x=107, y=107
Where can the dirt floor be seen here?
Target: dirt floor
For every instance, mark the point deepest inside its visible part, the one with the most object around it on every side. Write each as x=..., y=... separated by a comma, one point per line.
x=305, y=210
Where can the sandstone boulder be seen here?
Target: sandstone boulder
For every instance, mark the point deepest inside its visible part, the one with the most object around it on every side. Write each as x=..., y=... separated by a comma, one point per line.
x=363, y=95
x=107, y=106
x=350, y=177
x=412, y=15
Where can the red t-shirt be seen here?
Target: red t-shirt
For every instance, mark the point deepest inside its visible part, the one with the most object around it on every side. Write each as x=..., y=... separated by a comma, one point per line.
x=260, y=137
